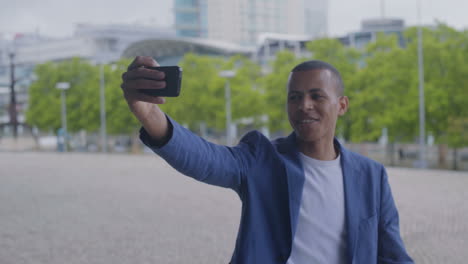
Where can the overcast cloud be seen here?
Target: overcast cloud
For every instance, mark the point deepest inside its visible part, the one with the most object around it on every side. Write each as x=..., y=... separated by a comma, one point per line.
x=58, y=17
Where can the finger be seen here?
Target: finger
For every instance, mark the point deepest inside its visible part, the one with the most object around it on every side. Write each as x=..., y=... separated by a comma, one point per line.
x=145, y=73
x=142, y=84
x=141, y=61
x=137, y=96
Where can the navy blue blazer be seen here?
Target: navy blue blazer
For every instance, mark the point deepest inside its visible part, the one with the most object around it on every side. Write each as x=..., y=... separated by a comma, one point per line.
x=268, y=177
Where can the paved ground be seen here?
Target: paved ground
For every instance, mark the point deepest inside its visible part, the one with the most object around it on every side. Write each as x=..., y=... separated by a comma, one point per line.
x=79, y=208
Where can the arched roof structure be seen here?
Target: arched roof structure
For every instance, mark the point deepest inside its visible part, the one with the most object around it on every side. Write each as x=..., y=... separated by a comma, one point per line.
x=177, y=47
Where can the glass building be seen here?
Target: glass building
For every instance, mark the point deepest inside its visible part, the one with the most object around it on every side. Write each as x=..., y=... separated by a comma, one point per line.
x=243, y=21
x=191, y=18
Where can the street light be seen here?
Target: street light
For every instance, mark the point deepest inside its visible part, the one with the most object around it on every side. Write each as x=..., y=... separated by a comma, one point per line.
x=63, y=86
x=103, y=109
x=13, y=111
x=422, y=116
x=227, y=90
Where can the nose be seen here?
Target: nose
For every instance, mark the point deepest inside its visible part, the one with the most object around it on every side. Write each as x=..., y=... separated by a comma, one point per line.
x=306, y=104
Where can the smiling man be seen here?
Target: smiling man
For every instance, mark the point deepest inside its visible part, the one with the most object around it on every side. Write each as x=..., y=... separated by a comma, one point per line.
x=305, y=198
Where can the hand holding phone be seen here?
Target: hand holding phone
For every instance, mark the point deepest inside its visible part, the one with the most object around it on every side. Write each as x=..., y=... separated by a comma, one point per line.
x=145, y=107
x=173, y=79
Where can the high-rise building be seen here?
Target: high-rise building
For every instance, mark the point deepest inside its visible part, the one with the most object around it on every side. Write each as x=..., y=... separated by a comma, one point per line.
x=190, y=18
x=242, y=21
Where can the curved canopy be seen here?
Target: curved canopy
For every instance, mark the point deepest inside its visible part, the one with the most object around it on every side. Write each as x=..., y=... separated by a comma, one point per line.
x=177, y=47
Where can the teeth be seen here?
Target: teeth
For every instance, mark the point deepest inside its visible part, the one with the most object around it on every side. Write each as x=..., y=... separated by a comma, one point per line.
x=307, y=121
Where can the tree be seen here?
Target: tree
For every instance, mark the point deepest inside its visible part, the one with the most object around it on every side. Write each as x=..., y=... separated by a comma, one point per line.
x=387, y=96
x=202, y=98
x=82, y=99
x=275, y=87
x=120, y=119
x=346, y=60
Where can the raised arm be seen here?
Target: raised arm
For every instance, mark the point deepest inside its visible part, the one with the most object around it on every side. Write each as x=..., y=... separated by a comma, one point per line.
x=205, y=161
x=183, y=150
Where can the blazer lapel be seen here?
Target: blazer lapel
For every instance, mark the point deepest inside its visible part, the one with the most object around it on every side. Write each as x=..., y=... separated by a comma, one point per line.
x=353, y=198
x=352, y=188
x=295, y=178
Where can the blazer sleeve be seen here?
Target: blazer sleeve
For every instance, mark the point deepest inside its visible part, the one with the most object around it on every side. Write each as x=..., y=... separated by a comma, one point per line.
x=205, y=161
x=391, y=249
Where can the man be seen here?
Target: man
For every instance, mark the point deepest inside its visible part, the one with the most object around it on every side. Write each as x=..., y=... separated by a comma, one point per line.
x=305, y=198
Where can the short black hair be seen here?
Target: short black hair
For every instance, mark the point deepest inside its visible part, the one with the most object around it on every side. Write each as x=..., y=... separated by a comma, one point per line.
x=318, y=64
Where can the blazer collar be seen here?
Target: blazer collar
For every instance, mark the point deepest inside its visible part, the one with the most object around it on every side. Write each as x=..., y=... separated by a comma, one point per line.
x=295, y=178
x=288, y=144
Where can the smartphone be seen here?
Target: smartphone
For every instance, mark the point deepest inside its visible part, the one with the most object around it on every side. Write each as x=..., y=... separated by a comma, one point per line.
x=173, y=82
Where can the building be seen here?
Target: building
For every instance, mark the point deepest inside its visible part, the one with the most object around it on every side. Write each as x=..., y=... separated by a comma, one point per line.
x=271, y=43
x=169, y=51
x=369, y=30
x=98, y=43
x=242, y=21
x=268, y=44
x=191, y=18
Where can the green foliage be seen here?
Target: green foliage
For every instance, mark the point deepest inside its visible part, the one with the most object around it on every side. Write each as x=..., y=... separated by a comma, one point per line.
x=456, y=132
x=118, y=116
x=82, y=99
x=346, y=61
x=383, y=90
x=446, y=79
x=202, y=97
x=386, y=97
x=275, y=87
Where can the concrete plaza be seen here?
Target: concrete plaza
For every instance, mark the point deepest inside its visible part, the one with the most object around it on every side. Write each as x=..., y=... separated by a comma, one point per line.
x=101, y=209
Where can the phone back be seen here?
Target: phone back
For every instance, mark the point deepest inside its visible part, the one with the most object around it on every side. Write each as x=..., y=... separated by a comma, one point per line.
x=173, y=82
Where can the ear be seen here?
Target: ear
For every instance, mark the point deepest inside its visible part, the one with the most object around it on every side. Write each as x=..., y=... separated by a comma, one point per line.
x=343, y=104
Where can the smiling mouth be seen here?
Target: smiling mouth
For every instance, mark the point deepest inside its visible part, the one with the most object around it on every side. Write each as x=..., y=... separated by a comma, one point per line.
x=307, y=121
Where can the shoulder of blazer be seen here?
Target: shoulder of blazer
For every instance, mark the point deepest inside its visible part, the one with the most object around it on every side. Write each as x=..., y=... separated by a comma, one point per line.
x=285, y=144
x=356, y=161
x=258, y=144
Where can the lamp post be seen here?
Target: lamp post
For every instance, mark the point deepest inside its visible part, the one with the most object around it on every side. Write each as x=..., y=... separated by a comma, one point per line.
x=63, y=86
x=12, y=108
x=227, y=90
x=422, y=116
x=103, y=109
x=382, y=8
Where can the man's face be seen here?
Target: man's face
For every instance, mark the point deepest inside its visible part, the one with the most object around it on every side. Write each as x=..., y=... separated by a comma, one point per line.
x=314, y=104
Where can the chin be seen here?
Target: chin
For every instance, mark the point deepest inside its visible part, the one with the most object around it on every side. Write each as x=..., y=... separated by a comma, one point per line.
x=307, y=137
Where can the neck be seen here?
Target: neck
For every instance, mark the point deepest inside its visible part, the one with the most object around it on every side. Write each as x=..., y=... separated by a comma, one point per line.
x=320, y=150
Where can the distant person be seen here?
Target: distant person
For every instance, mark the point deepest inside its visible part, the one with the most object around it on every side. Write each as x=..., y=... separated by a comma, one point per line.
x=305, y=198
x=401, y=154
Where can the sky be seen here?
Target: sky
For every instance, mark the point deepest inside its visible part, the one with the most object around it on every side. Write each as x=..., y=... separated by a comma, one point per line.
x=58, y=17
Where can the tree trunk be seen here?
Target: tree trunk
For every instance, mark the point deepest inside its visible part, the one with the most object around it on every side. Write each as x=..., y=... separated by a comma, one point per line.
x=391, y=152
x=442, y=149
x=135, y=148
x=455, y=160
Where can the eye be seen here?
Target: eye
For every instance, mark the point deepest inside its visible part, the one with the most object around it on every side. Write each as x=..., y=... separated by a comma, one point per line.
x=316, y=96
x=294, y=97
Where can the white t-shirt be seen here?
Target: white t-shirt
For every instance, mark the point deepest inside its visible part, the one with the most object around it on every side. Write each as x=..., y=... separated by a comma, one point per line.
x=321, y=230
